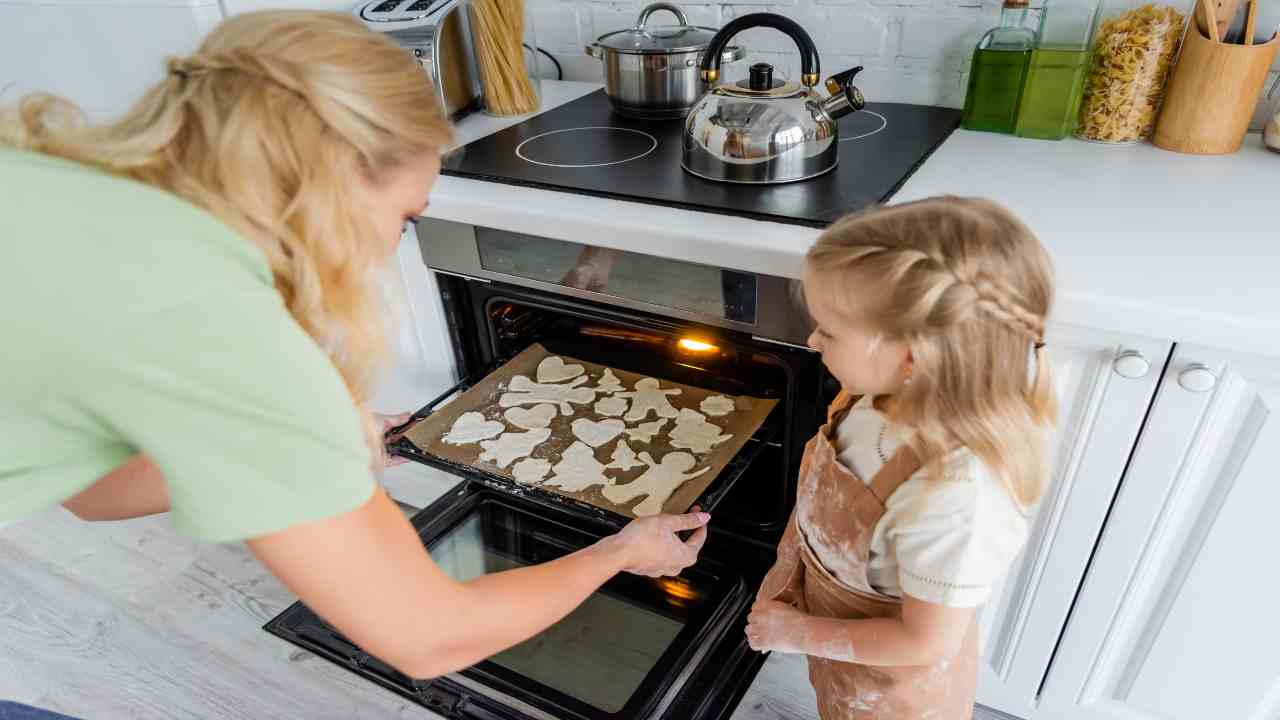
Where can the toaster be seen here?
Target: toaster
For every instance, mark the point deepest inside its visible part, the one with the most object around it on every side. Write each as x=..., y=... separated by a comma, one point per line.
x=437, y=34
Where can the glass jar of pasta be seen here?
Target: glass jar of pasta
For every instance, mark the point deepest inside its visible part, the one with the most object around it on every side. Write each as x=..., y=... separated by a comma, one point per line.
x=506, y=52
x=1133, y=48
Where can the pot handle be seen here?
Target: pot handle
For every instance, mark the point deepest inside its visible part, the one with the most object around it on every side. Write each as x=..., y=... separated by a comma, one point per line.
x=593, y=51
x=655, y=7
x=809, y=66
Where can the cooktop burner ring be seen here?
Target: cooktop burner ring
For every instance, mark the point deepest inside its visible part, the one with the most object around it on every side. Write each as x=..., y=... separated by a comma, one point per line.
x=523, y=155
x=884, y=123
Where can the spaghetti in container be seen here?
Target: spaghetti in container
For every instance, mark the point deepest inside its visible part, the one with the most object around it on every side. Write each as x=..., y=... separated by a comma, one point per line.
x=1133, y=50
x=503, y=38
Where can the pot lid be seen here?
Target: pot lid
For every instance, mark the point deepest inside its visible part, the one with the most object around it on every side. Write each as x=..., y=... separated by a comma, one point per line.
x=659, y=39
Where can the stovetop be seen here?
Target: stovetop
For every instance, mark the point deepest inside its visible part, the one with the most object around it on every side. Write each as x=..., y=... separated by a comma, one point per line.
x=585, y=147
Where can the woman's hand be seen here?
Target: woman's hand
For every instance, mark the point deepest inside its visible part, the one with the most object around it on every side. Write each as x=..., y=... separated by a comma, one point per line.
x=650, y=546
x=388, y=422
x=776, y=626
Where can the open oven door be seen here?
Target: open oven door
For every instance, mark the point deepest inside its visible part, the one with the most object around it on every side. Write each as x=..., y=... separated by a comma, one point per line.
x=637, y=648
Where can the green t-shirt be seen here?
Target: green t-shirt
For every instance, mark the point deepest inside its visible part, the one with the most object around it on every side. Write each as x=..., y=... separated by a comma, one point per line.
x=134, y=322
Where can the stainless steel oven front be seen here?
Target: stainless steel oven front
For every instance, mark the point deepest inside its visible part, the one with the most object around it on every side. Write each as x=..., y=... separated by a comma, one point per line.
x=638, y=648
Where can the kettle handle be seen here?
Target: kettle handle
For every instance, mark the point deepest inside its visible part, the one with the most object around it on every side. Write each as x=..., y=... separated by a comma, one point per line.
x=659, y=6
x=809, y=66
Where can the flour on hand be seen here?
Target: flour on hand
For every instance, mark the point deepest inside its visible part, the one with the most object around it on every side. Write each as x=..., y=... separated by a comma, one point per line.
x=510, y=446
x=650, y=397
x=658, y=483
x=471, y=427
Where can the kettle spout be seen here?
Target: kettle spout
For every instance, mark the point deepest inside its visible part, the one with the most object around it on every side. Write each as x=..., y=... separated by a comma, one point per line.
x=848, y=100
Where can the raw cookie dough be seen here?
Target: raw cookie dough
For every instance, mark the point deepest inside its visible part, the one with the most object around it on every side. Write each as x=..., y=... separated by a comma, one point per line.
x=471, y=427
x=624, y=458
x=523, y=391
x=693, y=432
x=530, y=471
x=609, y=383
x=611, y=406
x=534, y=418
x=595, y=433
x=578, y=470
x=553, y=370
x=644, y=432
x=717, y=406
x=510, y=446
x=658, y=482
x=648, y=396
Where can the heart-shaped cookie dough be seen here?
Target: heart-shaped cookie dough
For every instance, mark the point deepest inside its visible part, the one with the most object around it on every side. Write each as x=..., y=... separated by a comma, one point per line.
x=595, y=433
x=471, y=427
x=534, y=418
x=553, y=369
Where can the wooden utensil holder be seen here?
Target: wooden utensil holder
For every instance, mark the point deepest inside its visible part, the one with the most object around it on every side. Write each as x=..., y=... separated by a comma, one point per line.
x=1212, y=94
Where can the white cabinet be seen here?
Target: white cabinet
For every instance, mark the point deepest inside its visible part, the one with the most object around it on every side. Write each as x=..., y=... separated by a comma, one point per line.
x=1100, y=416
x=1177, y=617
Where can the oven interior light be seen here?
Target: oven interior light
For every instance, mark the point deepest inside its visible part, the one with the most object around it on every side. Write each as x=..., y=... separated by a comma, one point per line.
x=696, y=346
x=678, y=589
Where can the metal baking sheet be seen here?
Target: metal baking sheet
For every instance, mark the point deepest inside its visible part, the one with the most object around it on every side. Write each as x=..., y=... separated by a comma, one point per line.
x=483, y=397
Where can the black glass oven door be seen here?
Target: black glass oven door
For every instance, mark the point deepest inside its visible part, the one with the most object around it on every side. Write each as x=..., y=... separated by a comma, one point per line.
x=624, y=654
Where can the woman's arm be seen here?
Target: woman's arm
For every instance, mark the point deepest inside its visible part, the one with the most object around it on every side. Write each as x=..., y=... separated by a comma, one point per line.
x=366, y=572
x=926, y=633
x=134, y=489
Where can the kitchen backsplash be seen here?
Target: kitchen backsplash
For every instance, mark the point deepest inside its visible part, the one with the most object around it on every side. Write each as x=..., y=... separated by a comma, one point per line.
x=914, y=50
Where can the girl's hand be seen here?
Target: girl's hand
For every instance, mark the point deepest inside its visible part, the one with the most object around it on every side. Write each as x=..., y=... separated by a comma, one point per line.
x=388, y=422
x=776, y=626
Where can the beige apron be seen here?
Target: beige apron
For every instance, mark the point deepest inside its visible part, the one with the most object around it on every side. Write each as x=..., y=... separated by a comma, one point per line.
x=836, y=505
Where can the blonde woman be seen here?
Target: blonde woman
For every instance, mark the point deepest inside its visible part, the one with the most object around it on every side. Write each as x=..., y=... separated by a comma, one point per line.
x=191, y=323
x=914, y=498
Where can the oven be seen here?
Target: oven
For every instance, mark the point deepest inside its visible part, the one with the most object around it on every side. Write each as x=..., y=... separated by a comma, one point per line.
x=670, y=648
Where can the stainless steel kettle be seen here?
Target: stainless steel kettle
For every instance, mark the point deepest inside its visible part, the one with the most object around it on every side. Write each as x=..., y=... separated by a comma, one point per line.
x=762, y=130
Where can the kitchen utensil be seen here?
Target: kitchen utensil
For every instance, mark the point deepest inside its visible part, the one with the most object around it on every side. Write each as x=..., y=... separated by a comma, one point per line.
x=653, y=72
x=1212, y=10
x=762, y=130
x=1212, y=95
x=1251, y=22
x=438, y=39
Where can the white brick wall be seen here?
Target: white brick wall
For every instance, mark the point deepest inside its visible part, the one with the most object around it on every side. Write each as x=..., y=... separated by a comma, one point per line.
x=914, y=50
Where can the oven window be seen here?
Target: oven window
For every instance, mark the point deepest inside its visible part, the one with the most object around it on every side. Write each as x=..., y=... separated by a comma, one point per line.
x=603, y=652
x=700, y=289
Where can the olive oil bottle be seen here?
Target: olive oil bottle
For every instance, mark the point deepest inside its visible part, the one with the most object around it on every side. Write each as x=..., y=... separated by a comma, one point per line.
x=1050, y=103
x=998, y=71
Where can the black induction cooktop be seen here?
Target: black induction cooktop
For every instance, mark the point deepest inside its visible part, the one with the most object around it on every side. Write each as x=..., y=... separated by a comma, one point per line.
x=585, y=147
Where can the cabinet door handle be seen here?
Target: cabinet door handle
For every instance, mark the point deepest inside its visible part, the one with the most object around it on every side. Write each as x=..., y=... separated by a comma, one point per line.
x=1131, y=364
x=1198, y=378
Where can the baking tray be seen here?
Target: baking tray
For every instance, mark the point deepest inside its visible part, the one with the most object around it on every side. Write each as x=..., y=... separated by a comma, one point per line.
x=748, y=425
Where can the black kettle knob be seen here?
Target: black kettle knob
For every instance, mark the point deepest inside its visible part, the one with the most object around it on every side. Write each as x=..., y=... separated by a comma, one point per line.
x=809, y=66
x=761, y=77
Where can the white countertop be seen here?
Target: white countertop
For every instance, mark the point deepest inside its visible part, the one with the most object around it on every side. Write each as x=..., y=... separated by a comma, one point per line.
x=1144, y=241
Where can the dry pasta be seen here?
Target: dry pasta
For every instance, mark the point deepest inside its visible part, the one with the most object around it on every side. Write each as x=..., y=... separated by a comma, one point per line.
x=1132, y=55
x=498, y=29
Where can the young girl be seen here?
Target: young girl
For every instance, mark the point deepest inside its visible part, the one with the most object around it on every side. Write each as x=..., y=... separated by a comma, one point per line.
x=914, y=497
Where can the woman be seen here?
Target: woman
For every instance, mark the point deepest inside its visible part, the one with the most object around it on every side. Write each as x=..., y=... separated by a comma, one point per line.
x=192, y=322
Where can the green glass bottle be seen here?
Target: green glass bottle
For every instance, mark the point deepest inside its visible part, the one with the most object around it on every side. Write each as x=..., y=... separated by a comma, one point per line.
x=1050, y=103
x=997, y=73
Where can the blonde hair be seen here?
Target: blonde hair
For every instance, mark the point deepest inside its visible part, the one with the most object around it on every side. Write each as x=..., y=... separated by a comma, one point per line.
x=266, y=127
x=968, y=288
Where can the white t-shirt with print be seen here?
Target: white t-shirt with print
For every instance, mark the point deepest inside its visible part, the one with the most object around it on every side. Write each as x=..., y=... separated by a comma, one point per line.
x=944, y=541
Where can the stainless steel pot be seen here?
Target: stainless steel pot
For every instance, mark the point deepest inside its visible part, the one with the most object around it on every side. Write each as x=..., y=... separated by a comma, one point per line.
x=653, y=73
